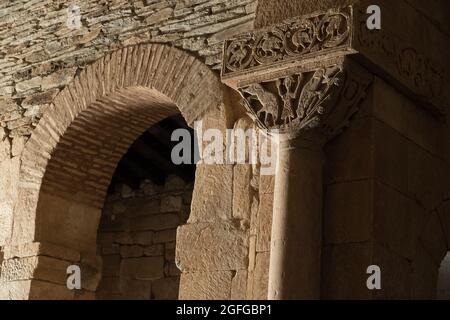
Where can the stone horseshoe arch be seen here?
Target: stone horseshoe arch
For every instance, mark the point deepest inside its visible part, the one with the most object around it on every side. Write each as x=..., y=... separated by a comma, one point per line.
x=67, y=163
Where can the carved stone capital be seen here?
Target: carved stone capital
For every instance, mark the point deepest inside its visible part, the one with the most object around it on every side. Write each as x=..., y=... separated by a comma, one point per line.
x=322, y=98
x=317, y=41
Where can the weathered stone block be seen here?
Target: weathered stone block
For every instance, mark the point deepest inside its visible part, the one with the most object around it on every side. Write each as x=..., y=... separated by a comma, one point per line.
x=433, y=239
x=206, y=286
x=261, y=276
x=17, y=269
x=5, y=147
x=391, y=210
x=141, y=207
x=111, y=265
x=426, y=177
x=148, y=268
x=174, y=183
x=155, y=222
x=110, y=249
x=264, y=232
x=58, y=79
x=6, y=222
x=211, y=247
x=2, y=133
x=165, y=236
x=118, y=207
x=171, y=269
x=52, y=270
x=18, y=143
x=390, y=106
x=41, y=249
x=242, y=191
x=108, y=286
x=154, y=250
x=266, y=184
x=91, y=271
x=269, y=12
x=213, y=193
x=113, y=223
x=349, y=157
x=69, y=223
x=395, y=274
x=390, y=157
x=344, y=271
x=444, y=215
x=84, y=295
x=424, y=275
x=443, y=289
x=105, y=238
x=159, y=16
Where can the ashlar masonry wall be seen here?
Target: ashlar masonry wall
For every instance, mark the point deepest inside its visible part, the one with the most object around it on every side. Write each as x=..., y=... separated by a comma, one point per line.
x=387, y=176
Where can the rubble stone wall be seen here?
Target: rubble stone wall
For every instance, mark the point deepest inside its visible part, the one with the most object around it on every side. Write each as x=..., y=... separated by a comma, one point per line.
x=137, y=239
x=40, y=54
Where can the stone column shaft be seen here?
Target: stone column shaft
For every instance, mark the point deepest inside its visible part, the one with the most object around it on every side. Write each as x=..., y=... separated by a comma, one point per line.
x=298, y=83
x=295, y=253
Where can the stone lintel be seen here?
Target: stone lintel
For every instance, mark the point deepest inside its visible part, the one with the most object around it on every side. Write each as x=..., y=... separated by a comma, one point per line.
x=313, y=40
x=295, y=45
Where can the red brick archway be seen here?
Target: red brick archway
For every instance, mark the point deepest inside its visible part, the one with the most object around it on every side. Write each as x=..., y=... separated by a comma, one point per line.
x=68, y=162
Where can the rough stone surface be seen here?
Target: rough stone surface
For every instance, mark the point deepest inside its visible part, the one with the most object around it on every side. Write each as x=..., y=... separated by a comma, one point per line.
x=41, y=52
x=213, y=192
x=212, y=247
x=201, y=286
x=141, y=255
x=72, y=100
x=424, y=275
x=344, y=271
x=443, y=282
x=261, y=275
x=264, y=223
x=148, y=268
x=347, y=212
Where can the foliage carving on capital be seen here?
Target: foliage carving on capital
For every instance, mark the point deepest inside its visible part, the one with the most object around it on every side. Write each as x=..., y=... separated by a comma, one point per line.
x=325, y=97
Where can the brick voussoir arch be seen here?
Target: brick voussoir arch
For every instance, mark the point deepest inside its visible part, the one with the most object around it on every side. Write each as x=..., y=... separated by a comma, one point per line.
x=106, y=94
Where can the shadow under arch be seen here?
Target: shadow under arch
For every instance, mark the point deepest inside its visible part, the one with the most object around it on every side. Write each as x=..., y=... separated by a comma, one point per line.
x=68, y=162
x=433, y=243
